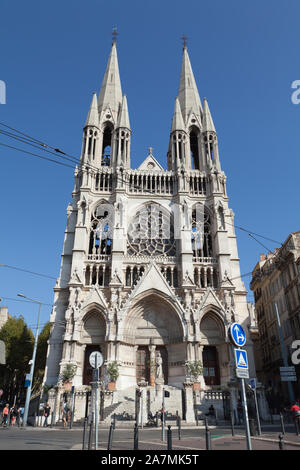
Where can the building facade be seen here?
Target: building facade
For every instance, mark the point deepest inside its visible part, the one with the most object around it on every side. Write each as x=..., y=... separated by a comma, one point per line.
x=276, y=282
x=150, y=269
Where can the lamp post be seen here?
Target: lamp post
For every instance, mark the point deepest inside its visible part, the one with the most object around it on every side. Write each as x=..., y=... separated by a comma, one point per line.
x=32, y=362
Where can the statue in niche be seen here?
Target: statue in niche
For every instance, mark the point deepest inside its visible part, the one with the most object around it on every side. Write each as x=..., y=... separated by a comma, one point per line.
x=159, y=372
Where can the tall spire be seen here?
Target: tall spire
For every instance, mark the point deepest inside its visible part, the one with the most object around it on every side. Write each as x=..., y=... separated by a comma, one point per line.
x=177, y=122
x=208, y=124
x=123, y=120
x=188, y=95
x=93, y=116
x=111, y=92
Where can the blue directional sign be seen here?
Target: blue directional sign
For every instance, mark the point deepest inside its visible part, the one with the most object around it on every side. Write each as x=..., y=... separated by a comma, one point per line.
x=241, y=359
x=238, y=335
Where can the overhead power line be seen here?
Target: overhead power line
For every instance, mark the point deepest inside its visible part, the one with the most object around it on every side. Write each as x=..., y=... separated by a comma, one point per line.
x=29, y=140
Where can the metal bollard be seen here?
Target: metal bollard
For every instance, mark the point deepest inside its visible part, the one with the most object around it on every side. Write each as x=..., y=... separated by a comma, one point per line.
x=169, y=437
x=281, y=442
x=90, y=435
x=114, y=421
x=84, y=432
x=297, y=426
x=179, y=428
x=232, y=424
x=136, y=438
x=208, y=439
x=110, y=437
x=206, y=423
x=282, y=423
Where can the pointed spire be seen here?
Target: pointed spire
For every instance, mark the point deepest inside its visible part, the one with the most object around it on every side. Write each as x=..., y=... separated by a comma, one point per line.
x=188, y=93
x=111, y=91
x=123, y=120
x=177, y=122
x=93, y=116
x=208, y=124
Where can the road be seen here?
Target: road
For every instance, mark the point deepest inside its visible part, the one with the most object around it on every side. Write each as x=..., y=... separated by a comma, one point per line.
x=60, y=439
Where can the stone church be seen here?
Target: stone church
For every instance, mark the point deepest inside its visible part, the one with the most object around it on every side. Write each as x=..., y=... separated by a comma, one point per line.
x=150, y=273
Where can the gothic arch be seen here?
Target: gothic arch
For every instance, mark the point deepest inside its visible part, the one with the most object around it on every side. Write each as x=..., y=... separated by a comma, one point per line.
x=101, y=228
x=202, y=231
x=93, y=325
x=212, y=327
x=153, y=318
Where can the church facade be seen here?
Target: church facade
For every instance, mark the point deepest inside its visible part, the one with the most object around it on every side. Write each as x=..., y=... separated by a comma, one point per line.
x=150, y=273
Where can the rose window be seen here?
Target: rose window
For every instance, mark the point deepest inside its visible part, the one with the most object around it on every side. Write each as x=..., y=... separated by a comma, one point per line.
x=151, y=233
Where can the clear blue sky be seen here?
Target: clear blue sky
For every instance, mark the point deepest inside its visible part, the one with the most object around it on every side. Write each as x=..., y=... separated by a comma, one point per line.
x=245, y=55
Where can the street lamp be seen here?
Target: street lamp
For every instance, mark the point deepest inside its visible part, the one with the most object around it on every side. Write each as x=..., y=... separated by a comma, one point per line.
x=32, y=362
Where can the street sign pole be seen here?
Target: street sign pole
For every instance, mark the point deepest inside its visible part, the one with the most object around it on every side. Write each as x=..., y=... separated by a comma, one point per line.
x=163, y=416
x=257, y=413
x=96, y=404
x=246, y=415
x=96, y=361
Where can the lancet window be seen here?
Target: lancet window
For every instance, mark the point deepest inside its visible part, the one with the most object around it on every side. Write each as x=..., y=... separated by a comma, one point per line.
x=201, y=233
x=101, y=232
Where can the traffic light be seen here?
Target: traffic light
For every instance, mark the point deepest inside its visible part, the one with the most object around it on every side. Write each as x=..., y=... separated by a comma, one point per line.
x=167, y=394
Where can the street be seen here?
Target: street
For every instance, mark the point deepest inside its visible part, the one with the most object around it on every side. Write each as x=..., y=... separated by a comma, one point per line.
x=14, y=438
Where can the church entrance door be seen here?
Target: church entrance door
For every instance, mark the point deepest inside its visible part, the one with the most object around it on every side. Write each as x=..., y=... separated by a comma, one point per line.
x=143, y=364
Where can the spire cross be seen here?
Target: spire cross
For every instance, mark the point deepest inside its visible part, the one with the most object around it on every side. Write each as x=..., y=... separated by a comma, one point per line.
x=184, y=38
x=114, y=34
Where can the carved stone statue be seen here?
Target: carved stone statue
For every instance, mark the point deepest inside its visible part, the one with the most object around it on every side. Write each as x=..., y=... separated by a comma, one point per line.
x=159, y=372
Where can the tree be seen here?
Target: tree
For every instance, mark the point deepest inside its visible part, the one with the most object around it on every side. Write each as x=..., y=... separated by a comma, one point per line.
x=40, y=360
x=18, y=341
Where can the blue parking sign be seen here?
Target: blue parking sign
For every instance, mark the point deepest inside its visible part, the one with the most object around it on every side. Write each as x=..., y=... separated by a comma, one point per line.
x=238, y=334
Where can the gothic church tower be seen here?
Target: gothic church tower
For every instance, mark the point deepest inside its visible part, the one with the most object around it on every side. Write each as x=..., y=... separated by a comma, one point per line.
x=150, y=266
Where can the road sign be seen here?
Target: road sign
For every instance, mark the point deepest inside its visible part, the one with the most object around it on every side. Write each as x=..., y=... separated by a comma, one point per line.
x=242, y=373
x=241, y=359
x=288, y=369
x=96, y=359
x=288, y=378
x=237, y=334
x=252, y=383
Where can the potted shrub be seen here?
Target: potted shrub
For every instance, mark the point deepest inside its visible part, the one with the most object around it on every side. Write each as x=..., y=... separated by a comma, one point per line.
x=67, y=375
x=113, y=372
x=195, y=369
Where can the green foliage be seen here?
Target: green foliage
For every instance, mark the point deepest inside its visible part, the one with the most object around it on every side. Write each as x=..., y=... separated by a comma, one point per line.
x=18, y=341
x=195, y=368
x=41, y=356
x=68, y=372
x=113, y=371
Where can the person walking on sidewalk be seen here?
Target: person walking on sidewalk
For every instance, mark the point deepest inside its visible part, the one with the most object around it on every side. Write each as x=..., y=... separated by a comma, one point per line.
x=47, y=410
x=5, y=415
x=295, y=409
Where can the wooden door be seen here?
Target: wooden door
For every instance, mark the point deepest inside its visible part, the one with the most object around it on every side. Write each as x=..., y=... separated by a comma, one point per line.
x=211, y=371
x=143, y=364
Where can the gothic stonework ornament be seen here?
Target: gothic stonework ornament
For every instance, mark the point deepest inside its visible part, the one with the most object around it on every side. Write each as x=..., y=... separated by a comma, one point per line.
x=150, y=276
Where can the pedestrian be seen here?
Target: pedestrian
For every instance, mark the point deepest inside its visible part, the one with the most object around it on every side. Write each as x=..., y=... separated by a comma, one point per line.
x=47, y=410
x=295, y=409
x=5, y=415
x=18, y=416
x=21, y=415
x=66, y=414
x=13, y=415
x=211, y=411
x=240, y=412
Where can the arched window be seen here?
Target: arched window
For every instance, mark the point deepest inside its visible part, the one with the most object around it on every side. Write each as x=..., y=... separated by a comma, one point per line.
x=100, y=232
x=201, y=233
x=194, y=146
x=106, y=146
x=151, y=233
